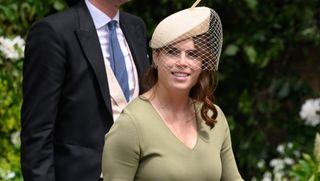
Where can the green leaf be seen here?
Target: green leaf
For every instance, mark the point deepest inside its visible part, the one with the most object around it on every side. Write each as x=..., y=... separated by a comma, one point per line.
x=309, y=31
x=305, y=166
x=231, y=50
x=58, y=5
x=284, y=91
x=307, y=157
x=251, y=54
x=312, y=178
x=252, y=4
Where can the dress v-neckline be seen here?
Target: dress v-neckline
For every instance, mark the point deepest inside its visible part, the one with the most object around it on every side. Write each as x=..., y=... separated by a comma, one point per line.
x=169, y=131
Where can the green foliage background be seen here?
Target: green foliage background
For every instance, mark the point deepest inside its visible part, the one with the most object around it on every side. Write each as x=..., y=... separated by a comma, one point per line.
x=270, y=64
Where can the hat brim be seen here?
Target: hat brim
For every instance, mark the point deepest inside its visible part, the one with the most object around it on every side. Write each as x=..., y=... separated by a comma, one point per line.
x=178, y=26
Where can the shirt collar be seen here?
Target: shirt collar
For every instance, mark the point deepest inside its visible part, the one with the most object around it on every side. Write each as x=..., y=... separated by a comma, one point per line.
x=99, y=18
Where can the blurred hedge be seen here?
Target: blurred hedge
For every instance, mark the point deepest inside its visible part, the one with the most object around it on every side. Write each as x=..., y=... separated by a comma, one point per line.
x=269, y=67
x=15, y=20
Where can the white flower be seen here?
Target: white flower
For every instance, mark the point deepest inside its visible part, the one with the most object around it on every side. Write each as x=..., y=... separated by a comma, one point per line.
x=10, y=175
x=278, y=176
x=277, y=165
x=288, y=161
x=261, y=164
x=267, y=176
x=310, y=112
x=12, y=48
x=15, y=138
x=274, y=162
x=280, y=149
x=290, y=145
x=254, y=179
x=297, y=153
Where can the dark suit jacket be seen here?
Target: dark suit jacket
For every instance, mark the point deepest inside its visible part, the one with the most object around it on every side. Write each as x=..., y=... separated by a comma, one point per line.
x=66, y=108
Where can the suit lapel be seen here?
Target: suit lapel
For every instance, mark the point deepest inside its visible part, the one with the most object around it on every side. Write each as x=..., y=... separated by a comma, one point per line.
x=90, y=45
x=133, y=34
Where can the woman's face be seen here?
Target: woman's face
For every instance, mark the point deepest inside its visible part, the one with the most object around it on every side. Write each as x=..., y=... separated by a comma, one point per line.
x=179, y=65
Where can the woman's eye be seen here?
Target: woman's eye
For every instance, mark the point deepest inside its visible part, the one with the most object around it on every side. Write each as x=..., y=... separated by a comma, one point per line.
x=192, y=54
x=172, y=51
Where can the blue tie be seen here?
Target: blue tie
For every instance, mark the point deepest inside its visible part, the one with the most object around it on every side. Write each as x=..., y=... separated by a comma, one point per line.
x=117, y=61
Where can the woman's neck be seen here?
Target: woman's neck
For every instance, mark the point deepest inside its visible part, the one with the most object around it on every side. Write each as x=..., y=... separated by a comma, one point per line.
x=175, y=102
x=177, y=112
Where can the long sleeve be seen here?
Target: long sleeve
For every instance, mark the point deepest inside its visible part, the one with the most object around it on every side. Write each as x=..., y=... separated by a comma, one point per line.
x=121, y=151
x=43, y=74
x=229, y=167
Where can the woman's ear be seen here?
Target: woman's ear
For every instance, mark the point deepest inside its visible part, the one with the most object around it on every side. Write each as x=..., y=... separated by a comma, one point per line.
x=153, y=65
x=155, y=59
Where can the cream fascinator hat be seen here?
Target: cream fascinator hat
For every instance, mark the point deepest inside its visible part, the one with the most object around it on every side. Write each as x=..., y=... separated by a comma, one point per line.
x=200, y=23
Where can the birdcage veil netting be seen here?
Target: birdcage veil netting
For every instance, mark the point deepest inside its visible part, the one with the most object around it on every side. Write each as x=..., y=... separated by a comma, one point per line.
x=202, y=26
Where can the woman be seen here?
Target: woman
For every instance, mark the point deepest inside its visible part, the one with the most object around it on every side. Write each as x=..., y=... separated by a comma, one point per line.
x=174, y=131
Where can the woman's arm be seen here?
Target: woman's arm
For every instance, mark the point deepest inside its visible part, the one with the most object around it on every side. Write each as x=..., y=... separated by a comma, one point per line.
x=229, y=166
x=121, y=150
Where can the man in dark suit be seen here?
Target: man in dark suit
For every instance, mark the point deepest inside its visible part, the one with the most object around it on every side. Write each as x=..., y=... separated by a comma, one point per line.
x=68, y=104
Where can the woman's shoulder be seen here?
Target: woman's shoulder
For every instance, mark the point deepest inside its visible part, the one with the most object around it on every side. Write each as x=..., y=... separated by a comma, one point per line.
x=138, y=109
x=137, y=105
x=128, y=117
x=221, y=118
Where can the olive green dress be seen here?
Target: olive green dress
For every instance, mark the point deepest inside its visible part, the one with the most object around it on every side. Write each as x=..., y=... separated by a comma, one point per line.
x=141, y=147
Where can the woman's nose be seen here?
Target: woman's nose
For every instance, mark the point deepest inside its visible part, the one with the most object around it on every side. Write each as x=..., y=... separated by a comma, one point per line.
x=182, y=60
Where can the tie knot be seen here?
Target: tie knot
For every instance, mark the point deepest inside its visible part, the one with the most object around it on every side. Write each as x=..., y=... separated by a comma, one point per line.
x=112, y=25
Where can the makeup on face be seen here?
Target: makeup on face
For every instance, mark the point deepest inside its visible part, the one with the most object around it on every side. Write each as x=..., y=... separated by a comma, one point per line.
x=182, y=55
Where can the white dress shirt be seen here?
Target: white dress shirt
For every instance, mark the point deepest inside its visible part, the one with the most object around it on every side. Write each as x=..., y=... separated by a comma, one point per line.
x=100, y=21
